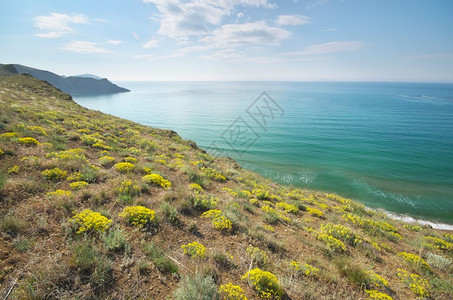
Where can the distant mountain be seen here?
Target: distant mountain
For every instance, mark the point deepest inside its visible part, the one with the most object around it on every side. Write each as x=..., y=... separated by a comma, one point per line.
x=6, y=70
x=73, y=85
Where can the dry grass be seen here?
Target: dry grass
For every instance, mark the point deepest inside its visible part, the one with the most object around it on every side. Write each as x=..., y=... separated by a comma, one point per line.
x=42, y=257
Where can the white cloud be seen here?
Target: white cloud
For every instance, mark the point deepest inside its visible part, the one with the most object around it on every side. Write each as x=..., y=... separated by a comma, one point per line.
x=135, y=35
x=114, y=42
x=84, y=47
x=157, y=57
x=181, y=19
x=227, y=54
x=292, y=20
x=150, y=44
x=240, y=15
x=57, y=24
x=327, y=48
x=236, y=35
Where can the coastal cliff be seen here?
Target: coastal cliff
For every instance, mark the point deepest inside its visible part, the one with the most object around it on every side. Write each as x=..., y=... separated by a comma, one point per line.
x=94, y=206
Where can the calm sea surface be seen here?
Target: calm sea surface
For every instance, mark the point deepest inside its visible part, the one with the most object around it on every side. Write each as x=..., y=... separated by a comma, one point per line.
x=388, y=145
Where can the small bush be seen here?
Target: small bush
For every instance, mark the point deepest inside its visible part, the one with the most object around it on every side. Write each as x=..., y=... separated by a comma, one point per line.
x=124, y=167
x=55, y=174
x=415, y=261
x=77, y=185
x=12, y=225
x=159, y=259
x=106, y=161
x=265, y=283
x=438, y=261
x=170, y=213
x=115, y=240
x=416, y=283
x=88, y=220
x=139, y=216
x=373, y=294
x=258, y=256
x=333, y=243
x=157, y=179
x=230, y=291
x=218, y=220
x=197, y=287
x=194, y=250
x=28, y=141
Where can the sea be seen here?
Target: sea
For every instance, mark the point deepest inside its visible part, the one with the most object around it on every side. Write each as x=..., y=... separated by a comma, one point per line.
x=387, y=145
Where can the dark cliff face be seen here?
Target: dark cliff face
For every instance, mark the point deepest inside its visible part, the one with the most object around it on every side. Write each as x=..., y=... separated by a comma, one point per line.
x=72, y=85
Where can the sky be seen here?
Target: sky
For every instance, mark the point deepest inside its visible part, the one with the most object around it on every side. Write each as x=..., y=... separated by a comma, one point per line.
x=192, y=40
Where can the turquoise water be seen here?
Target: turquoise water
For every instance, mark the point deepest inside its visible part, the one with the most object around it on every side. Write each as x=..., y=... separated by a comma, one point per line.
x=388, y=145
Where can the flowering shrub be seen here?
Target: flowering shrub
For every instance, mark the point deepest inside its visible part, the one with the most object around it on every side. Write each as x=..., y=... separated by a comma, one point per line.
x=415, y=260
x=132, y=160
x=77, y=185
x=124, y=167
x=218, y=220
x=230, y=291
x=157, y=180
x=139, y=216
x=333, y=243
x=128, y=188
x=340, y=232
x=416, y=283
x=315, y=212
x=1, y=152
x=261, y=194
x=88, y=220
x=194, y=249
x=55, y=174
x=106, y=160
x=28, y=141
x=37, y=129
x=204, y=202
x=377, y=280
x=265, y=283
x=8, y=135
x=269, y=228
x=437, y=243
x=306, y=269
x=287, y=207
x=213, y=174
x=134, y=150
x=373, y=294
x=230, y=191
x=257, y=255
x=12, y=170
x=60, y=193
x=373, y=226
x=69, y=155
x=196, y=187
x=101, y=145
x=413, y=227
x=160, y=161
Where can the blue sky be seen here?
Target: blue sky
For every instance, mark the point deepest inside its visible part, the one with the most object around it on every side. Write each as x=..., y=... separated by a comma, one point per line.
x=342, y=40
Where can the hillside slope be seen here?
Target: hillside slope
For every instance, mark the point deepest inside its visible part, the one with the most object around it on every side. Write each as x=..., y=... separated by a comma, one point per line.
x=73, y=85
x=97, y=207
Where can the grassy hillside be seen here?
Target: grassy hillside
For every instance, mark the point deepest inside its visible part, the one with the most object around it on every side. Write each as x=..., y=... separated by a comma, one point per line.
x=93, y=206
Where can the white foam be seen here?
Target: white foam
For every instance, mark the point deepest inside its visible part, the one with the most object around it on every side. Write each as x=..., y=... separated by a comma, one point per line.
x=412, y=220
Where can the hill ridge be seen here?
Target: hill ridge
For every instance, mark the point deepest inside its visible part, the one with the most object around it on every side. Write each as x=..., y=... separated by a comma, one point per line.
x=98, y=207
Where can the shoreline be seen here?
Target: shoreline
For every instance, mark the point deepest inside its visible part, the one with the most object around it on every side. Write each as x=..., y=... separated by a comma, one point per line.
x=412, y=220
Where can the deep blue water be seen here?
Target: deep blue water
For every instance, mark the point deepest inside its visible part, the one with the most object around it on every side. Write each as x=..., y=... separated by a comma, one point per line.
x=388, y=145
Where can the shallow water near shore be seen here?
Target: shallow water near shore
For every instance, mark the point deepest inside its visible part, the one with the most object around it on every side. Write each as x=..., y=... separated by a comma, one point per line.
x=388, y=145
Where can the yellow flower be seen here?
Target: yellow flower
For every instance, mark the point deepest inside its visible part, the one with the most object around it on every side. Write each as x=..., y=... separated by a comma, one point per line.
x=158, y=180
x=194, y=249
x=139, y=216
x=87, y=220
